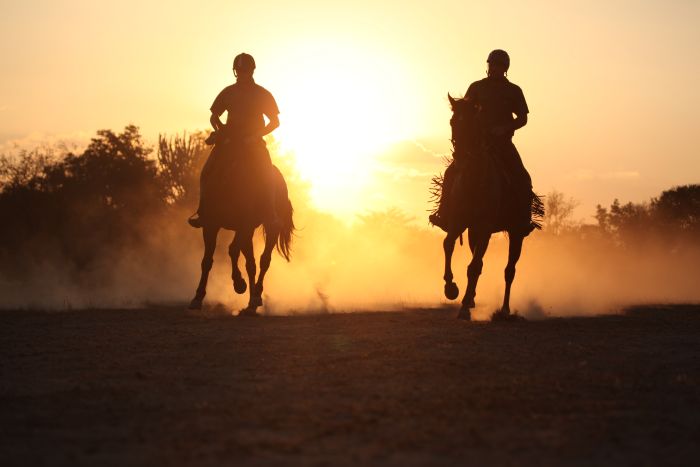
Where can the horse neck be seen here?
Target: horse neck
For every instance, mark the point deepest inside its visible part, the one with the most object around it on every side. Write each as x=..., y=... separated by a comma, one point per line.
x=465, y=141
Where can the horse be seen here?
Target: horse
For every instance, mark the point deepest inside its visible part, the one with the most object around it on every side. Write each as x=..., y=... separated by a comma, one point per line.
x=241, y=214
x=480, y=201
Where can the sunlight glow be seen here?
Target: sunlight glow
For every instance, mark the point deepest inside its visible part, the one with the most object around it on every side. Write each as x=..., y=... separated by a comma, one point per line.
x=340, y=107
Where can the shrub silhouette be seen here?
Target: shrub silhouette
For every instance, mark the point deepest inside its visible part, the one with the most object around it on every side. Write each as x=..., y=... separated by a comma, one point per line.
x=180, y=160
x=81, y=205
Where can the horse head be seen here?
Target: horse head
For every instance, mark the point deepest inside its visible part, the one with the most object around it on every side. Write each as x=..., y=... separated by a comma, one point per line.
x=465, y=132
x=452, y=100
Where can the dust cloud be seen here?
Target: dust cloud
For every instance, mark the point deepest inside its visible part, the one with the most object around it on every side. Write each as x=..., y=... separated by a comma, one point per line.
x=377, y=261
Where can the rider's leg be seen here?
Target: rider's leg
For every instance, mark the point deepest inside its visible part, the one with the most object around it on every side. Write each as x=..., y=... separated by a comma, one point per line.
x=205, y=177
x=522, y=187
x=271, y=198
x=267, y=179
x=515, y=162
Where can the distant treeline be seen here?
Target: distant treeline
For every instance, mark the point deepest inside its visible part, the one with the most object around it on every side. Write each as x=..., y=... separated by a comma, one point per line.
x=111, y=196
x=96, y=204
x=673, y=217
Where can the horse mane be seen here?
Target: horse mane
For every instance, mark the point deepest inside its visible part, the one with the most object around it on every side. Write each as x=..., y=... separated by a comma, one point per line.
x=437, y=182
x=537, y=210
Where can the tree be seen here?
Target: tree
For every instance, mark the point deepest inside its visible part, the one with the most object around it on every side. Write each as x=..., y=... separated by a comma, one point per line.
x=81, y=205
x=626, y=223
x=114, y=172
x=678, y=209
x=601, y=215
x=558, y=213
x=24, y=169
x=631, y=219
x=180, y=159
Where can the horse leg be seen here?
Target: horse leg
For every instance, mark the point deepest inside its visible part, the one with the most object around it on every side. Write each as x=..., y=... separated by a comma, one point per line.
x=209, y=234
x=451, y=289
x=479, y=241
x=250, y=267
x=265, y=259
x=471, y=240
x=234, y=250
x=515, y=247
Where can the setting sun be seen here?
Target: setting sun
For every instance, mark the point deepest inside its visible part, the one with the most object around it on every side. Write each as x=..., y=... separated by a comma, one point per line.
x=341, y=105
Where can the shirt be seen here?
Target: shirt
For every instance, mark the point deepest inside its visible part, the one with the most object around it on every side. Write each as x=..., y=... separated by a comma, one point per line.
x=497, y=100
x=245, y=103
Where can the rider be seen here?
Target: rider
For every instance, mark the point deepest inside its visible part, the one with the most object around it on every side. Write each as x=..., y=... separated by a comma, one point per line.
x=497, y=100
x=247, y=104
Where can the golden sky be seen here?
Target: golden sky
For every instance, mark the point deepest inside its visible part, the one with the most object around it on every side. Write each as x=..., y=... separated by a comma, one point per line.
x=611, y=85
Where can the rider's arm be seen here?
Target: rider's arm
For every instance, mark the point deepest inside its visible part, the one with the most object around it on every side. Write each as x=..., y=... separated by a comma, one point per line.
x=267, y=129
x=271, y=111
x=519, y=121
x=218, y=107
x=519, y=109
x=216, y=121
x=271, y=125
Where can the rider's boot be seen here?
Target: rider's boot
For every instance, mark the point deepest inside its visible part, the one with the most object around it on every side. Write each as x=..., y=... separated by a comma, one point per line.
x=438, y=220
x=211, y=139
x=195, y=220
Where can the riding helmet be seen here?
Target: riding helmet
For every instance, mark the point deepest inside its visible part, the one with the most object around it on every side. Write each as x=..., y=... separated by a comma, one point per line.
x=244, y=62
x=499, y=56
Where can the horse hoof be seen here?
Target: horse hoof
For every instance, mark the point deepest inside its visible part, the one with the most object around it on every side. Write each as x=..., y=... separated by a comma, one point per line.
x=239, y=286
x=451, y=290
x=468, y=303
x=248, y=312
x=255, y=302
x=464, y=314
x=195, y=304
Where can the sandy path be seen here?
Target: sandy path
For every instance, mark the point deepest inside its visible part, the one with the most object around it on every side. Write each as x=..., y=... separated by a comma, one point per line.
x=418, y=387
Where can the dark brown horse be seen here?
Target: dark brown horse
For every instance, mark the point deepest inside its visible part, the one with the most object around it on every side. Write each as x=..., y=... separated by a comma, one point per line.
x=484, y=201
x=239, y=209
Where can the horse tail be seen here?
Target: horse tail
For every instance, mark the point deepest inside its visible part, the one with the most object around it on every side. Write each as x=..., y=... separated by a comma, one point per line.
x=285, y=213
x=284, y=240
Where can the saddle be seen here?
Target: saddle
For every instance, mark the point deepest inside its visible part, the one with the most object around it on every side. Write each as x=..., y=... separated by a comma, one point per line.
x=484, y=190
x=236, y=188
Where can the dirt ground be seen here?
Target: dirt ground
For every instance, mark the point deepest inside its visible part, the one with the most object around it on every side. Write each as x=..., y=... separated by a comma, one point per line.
x=169, y=387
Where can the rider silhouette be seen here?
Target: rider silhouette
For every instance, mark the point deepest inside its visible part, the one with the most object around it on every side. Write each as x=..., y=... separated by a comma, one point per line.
x=247, y=104
x=497, y=100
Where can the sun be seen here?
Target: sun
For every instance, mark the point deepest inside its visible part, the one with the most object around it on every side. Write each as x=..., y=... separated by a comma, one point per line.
x=340, y=107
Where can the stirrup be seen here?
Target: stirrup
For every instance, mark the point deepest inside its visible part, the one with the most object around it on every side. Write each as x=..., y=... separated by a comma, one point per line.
x=211, y=139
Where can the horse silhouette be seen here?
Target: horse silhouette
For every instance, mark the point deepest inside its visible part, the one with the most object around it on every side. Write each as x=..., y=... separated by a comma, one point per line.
x=237, y=204
x=484, y=200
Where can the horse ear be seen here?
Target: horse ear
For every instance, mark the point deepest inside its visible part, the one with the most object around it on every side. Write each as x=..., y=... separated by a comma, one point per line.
x=451, y=99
